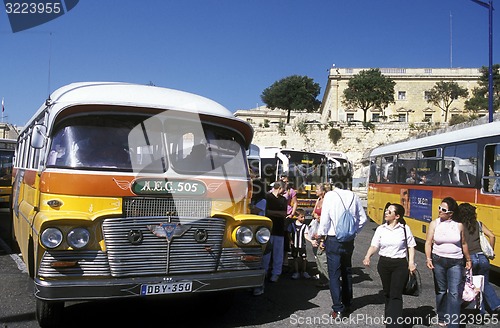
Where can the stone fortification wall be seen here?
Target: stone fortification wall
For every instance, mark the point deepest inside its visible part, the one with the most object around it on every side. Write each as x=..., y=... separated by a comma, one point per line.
x=356, y=141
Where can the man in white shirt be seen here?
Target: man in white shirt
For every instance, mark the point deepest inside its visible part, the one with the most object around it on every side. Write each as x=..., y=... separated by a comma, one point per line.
x=339, y=254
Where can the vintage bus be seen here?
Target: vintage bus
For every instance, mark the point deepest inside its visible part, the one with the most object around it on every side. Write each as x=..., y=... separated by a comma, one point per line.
x=305, y=170
x=124, y=190
x=340, y=169
x=7, y=149
x=419, y=173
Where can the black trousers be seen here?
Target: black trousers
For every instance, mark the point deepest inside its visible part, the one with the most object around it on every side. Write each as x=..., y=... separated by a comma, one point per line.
x=394, y=274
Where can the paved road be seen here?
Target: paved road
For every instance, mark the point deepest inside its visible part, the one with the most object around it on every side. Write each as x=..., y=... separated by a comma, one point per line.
x=287, y=303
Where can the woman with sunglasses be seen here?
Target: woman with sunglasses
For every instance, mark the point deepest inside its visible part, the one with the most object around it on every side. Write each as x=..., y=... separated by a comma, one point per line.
x=393, y=266
x=447, y=252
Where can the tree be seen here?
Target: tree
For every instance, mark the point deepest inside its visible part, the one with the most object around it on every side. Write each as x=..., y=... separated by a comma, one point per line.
x=479, y=99
x=292, y=93
x=443, y=94
x=369, y=89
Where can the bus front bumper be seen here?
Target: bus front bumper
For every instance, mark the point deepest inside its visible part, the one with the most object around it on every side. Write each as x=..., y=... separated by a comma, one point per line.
x=71, y=290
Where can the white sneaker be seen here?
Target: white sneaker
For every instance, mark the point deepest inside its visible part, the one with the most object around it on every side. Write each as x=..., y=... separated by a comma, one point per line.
x=296, y=275
x=306, y=275
x=257, y=291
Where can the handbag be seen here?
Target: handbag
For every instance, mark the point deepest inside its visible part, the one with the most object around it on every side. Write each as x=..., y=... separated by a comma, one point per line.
x=413, y=286
x=485, y=243
x=470, y=291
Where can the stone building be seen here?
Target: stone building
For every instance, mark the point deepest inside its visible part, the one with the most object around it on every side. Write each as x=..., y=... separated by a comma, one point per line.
x=412, y=85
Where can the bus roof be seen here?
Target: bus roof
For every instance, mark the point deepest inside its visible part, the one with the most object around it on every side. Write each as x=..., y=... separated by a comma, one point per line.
x=136, y=95
x=469, y=133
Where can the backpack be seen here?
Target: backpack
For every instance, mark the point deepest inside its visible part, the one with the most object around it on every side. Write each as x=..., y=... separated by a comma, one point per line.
x=346, y=225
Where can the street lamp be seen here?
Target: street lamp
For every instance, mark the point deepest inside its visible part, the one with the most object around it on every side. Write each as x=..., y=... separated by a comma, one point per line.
x=489, y=5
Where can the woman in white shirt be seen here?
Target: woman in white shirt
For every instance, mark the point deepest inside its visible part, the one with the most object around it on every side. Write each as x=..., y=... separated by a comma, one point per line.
x=393, y=265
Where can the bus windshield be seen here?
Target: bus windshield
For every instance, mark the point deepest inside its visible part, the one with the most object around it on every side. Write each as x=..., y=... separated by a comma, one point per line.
x=6, y=167
x=150, y=144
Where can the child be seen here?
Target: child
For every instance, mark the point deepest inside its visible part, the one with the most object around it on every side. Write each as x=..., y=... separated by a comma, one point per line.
x=299, y=233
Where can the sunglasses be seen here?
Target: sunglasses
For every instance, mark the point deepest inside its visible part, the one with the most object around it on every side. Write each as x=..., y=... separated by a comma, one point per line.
x=444, y=210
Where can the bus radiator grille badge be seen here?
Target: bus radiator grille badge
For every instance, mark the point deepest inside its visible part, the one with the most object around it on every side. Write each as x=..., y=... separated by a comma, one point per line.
x=135, y=237
x=169, y=230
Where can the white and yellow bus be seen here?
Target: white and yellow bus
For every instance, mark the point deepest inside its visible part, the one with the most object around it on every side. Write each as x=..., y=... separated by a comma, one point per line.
x=124, y=190
x=463, y=164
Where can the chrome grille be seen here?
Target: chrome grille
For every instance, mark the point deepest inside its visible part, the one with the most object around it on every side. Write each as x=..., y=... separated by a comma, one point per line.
x=154, y=255
x=182, y=207
x=88, y=264
x=231, y=259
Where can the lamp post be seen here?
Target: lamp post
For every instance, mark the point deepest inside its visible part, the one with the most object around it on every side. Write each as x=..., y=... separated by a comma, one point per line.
x=489, y=6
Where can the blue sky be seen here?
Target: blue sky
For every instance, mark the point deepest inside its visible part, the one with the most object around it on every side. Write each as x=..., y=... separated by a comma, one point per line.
x=231, y=50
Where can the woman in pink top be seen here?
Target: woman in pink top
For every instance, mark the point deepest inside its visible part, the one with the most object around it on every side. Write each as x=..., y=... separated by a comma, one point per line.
x=447, y=253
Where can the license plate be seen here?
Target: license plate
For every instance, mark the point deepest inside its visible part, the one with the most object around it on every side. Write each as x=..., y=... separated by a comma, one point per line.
x=170, y=288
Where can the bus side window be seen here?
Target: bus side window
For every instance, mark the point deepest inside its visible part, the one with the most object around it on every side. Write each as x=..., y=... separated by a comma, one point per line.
x=491, y=175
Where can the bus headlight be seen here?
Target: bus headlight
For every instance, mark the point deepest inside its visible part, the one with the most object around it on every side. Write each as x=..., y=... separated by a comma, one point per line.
x=262, y=235
x=244, y=235
x=51, y=237
x=78, y=237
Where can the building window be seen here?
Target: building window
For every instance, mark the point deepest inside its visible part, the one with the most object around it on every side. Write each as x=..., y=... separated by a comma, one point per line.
x=428, y=118
x=375, y=117
x=426, y=95
x=402, y=118
x=401, y=95
x=350, y=117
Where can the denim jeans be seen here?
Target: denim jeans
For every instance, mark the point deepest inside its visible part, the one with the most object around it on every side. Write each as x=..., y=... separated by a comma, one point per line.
x=339, y=261
x=275, y=250
x=481, y=266
x=449, y=280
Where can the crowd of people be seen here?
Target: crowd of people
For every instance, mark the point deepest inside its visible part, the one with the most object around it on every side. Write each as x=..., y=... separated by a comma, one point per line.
x=452, y=246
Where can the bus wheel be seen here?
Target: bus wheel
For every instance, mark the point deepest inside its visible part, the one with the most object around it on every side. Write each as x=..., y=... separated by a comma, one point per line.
x=49, y=314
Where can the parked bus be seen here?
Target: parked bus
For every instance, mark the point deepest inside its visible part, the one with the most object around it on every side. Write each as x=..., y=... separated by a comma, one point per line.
x=419, y=173
x=124, y=190
x=7, y=149
x=340, y=169
x=305, y=170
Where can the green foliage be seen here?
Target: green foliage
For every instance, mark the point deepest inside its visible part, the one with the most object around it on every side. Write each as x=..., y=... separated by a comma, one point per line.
x=266, y=123
x=369, y=89
x=457, y=119
x=301, y=127
x=479, y=99
x=369, y=126
x=334, y=135
x=281, y=128
x=293, y=93
x=443, y=94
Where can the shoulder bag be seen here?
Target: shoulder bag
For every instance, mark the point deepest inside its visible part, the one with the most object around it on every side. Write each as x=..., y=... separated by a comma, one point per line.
x=413, y=286
x=485, y=243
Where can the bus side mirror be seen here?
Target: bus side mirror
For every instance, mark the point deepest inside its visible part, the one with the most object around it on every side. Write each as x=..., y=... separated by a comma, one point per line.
x=38, y=136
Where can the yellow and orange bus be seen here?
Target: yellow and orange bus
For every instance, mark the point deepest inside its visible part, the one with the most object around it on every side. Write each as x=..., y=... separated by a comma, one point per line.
x=463, y=164
x=124, y=190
